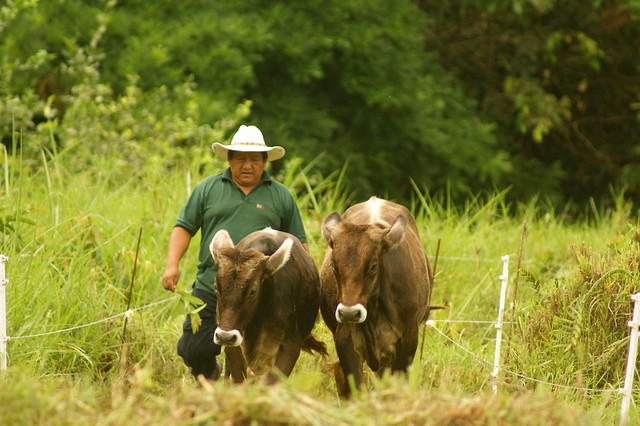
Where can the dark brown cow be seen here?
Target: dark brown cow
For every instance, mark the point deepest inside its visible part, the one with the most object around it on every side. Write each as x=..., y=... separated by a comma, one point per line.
x=376, y=286
x=268, y=295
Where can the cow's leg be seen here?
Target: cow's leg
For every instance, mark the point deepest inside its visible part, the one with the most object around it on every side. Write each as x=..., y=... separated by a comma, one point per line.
x=384, y=366
x=236, y=362
x=406, y=349
x=349, y=361
x=285, y=361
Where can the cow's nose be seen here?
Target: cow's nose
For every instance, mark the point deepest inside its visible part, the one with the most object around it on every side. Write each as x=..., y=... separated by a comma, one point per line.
x=227, y=338
x=353, y=314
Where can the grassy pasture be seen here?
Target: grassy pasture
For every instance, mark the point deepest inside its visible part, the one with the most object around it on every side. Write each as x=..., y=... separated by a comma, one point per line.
x=70, y=229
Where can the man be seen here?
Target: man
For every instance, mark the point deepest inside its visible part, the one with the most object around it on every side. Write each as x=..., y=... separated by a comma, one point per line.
x=241, y=200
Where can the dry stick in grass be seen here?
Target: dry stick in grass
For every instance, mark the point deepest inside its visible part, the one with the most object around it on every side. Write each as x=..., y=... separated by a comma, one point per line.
x=432, y=278
x=514, y=296
x=133, y=276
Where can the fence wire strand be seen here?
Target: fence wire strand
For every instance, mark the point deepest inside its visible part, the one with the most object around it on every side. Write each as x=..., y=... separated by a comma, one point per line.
x=431, y=324
x=128, y=313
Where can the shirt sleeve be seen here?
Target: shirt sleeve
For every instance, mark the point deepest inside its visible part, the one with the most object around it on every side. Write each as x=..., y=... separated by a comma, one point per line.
x=292, y=222
x=190, y=217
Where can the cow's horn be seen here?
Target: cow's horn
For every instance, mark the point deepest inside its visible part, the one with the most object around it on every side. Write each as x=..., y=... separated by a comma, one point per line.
x=395, y=236
x=221, y=240
x=278, y=259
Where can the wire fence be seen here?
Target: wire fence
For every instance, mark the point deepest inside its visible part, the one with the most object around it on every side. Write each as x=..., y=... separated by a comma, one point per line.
x=626, y=391
x=128, y=314
x=483, y=362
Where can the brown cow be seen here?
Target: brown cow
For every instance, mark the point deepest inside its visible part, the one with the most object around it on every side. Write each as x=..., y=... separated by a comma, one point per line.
x=268, y=297
x=376, y=286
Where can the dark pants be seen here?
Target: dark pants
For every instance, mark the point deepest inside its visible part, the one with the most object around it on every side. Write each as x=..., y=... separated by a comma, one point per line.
x=197, y=349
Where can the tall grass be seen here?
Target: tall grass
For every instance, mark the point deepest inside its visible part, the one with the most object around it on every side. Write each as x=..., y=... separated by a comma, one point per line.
x=71, y=260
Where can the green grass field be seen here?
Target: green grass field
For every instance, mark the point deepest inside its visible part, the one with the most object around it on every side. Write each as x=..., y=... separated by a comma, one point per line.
x=70, y=227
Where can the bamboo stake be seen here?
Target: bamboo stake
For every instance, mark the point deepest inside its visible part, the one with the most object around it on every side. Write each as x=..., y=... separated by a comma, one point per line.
x=503, y=293
x=631, y=361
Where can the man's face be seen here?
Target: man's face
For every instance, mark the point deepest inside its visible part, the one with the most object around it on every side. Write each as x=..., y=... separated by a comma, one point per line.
x=246, y=168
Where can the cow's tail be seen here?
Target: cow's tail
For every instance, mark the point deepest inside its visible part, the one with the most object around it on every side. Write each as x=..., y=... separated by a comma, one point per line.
x=432, y=308
x=311, y=344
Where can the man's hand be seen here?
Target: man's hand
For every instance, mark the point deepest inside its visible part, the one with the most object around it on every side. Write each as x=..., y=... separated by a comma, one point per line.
x=178, y=244
x=170, y=278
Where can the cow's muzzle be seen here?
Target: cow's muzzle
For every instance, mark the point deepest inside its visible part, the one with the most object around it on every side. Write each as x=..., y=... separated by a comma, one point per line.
x=351, y=314
x=227, y=338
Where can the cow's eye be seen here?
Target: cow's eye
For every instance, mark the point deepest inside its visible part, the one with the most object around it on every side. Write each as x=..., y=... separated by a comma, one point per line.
x=252, y=293
x=373, y=268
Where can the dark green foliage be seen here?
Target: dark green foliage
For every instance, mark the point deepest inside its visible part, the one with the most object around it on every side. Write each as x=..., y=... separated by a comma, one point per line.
x=362, y=88
x=462, y=96
x=348, y=78
x=560, y=80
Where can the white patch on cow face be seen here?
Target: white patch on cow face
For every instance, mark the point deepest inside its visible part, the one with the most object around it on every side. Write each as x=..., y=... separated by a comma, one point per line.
x=355, y=314
x=278, y=259
x=227, y=338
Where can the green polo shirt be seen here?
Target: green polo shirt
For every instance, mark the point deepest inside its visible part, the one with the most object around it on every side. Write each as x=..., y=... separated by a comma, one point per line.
x=218, y=203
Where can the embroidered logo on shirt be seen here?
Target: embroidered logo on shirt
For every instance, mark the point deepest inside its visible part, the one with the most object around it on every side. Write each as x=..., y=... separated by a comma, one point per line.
x=260, y=206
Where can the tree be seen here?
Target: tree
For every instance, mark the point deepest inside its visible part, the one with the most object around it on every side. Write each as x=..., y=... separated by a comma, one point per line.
x=560, y=79
x=350, y=79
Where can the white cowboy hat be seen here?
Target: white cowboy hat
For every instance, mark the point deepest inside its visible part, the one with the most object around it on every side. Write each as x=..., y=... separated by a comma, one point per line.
x=248, y=139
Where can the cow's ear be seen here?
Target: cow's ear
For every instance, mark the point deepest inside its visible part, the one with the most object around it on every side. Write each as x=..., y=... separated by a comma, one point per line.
x=395, y=236
x=221, y=240
x=278, y=259
x=327, y=227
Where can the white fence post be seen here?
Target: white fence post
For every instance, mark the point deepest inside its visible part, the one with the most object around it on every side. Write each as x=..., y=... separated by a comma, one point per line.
x=3, y=315
x=503, y=295
x=631, y=360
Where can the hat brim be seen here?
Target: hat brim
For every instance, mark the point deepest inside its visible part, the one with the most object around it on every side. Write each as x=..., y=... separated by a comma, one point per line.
x=273, y=152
